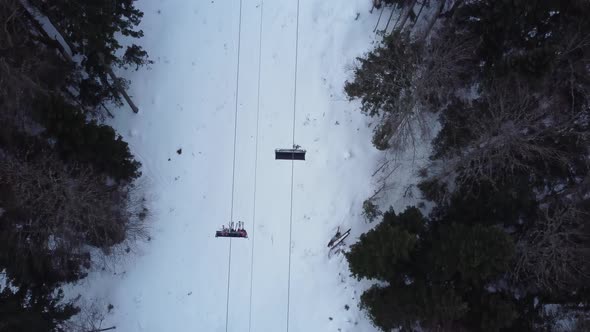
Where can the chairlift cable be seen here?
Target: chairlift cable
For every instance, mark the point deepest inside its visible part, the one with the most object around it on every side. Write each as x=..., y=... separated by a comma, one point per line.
x=233, y=163
x=255, y=166
x=292, y=165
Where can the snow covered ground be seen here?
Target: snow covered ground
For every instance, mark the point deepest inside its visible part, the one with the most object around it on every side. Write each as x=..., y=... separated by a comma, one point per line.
x=178, y=281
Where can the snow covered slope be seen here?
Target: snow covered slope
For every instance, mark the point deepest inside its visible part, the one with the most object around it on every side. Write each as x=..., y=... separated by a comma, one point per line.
x=178, y=281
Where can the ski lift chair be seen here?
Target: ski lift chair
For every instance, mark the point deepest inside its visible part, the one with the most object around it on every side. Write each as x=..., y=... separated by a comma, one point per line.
x=235, y=233
x=296, y=153
x=232, y=231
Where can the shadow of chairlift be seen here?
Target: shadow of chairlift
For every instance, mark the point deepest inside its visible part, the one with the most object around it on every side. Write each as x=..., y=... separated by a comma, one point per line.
x=296, y=153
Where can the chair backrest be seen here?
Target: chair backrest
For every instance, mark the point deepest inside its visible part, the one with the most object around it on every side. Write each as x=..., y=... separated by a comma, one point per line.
x=289, y=154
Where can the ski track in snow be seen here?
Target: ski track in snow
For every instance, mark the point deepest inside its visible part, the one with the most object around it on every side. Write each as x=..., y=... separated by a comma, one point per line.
x=178, y=281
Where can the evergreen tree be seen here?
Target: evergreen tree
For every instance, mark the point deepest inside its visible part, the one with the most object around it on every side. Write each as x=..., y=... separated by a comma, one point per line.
x=496, y=312
x=510, y=83
x=91, y=29
x=89, y=142
x=383, y=249
x=55, y=198
x=384, y=82
x=430, y=306
x=26, y=310
x=472, y=254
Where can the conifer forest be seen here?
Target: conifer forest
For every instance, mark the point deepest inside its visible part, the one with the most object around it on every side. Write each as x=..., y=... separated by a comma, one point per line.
x=507, y=182
x=67, y=181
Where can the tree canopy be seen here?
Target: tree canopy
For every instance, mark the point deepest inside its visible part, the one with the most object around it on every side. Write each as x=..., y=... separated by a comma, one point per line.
x=66, y=178
x=508, y=174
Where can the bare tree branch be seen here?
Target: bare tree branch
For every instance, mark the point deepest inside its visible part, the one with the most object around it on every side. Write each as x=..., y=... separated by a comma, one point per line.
x=554, y=255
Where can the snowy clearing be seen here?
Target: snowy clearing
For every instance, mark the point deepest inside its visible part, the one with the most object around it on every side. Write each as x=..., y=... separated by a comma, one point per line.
x=178, y=280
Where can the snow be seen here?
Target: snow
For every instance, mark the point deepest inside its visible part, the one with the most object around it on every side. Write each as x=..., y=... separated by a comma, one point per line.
x=178, y=280
x=4, y=282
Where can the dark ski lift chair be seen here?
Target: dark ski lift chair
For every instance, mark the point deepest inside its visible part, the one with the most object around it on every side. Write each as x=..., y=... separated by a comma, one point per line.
x=232, y=231
x=296, y=153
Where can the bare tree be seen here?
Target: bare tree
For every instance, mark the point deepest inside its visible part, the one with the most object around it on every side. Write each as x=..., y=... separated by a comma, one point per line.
x=379, y=19
x=69, y=206
x=433, y=20
x=382, y=174
x=554, y=255
x=445, y=61
x=402, y=81
x=511, y=134
x=136, y=226
x=422, y=5
x=433, y=79
x=409, y=10
x=90, y=318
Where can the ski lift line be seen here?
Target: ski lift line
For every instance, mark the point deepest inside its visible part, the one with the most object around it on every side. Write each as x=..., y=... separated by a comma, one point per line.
x=233, y=181
x=292, y=165
x=295, y=71
x=228, y=279
x=290, y=241
x=255, y=166
x=236, y=113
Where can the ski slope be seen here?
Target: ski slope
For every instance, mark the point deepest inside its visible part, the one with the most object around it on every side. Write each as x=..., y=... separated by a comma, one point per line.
x=195, y=97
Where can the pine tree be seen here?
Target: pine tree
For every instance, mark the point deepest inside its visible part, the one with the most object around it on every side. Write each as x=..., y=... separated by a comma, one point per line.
x=474, y=254
x=37, y=309
x=401, y=305
x=381, y=250
x=88, y=142
x=91, y=29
